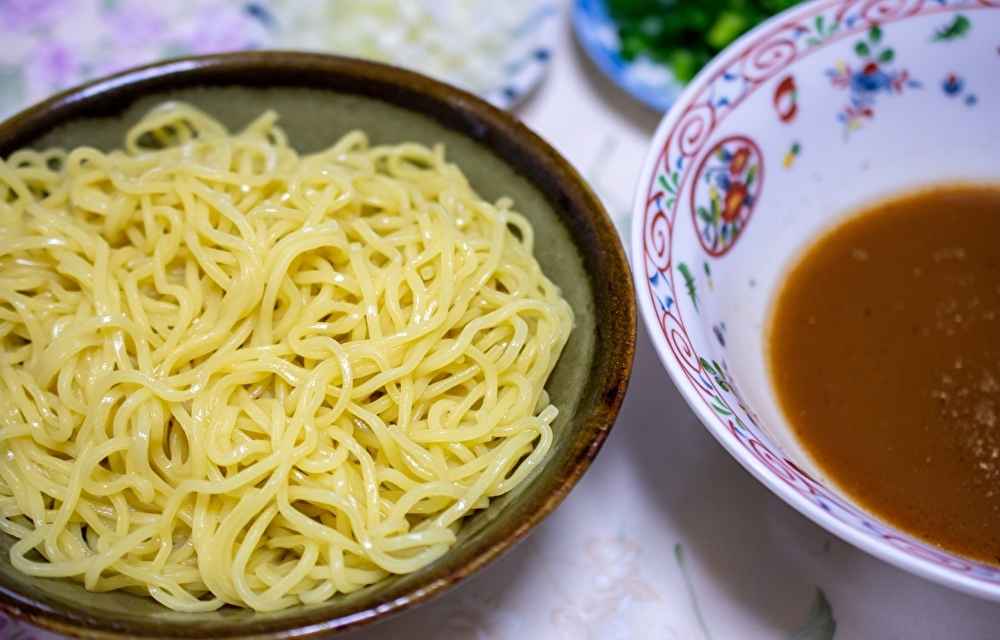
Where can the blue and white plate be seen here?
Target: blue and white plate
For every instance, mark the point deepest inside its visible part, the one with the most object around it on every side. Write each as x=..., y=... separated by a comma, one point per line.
x=646, y=80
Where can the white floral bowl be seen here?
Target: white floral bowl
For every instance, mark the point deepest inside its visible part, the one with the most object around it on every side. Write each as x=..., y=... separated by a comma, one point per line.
x=820, y=110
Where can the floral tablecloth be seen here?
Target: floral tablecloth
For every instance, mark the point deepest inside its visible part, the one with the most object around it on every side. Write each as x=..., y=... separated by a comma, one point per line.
x=666, y=537
x=498, y=50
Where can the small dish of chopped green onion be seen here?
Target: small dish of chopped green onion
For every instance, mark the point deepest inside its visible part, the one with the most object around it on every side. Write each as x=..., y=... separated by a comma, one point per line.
x=652, y=48
x=685, y=34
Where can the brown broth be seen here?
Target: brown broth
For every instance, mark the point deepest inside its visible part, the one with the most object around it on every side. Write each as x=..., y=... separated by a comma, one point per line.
x=885, y=353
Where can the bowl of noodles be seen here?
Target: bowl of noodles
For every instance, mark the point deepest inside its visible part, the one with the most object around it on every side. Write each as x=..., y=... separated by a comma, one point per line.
x=281, y=350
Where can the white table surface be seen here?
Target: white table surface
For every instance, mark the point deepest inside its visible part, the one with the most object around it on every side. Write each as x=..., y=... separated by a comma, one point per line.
x=605, y=564
x=666, y=536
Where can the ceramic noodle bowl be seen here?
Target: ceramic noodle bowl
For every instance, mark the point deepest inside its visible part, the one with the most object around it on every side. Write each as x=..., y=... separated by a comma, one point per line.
x=801, y=122
x=319, y=99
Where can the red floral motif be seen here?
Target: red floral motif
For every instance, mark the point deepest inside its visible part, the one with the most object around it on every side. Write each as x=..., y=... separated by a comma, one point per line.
x=739, y=161
x=786, y=99
x=735, y=198
x=725, y=192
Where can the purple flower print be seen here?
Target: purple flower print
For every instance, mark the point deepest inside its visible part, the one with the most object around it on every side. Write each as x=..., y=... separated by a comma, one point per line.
x=56, y=64
x=225, y=29
x=130, y=30
x=135, y=26
x=54, y=68
x=24, y=15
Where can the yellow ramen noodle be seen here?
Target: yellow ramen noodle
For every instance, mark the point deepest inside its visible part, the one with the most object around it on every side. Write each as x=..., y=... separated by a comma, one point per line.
x=231, y=374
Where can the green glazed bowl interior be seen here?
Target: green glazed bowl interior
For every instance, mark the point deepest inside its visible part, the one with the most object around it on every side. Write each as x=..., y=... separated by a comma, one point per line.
x=318, y=99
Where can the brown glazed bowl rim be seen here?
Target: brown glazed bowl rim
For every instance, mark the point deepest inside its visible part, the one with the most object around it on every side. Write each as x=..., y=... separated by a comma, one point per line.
x=453, y=108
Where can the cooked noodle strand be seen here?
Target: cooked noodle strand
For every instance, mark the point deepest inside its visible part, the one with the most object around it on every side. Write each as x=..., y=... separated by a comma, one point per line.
x=233, y=374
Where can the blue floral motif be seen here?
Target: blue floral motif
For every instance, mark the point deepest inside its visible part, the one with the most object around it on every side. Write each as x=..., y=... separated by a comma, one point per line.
x=720, y=333
x=875, y=76
x=952, y=85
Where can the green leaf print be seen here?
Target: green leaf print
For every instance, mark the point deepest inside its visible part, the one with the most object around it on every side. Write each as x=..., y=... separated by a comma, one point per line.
x=823, y=31
x=721, y=376
x=689, y=283
x=720, y=408
x=861, y=48
x=820, y=624
x=957, y=28
x=692, y=594
x=666, y=185
x=714, y=369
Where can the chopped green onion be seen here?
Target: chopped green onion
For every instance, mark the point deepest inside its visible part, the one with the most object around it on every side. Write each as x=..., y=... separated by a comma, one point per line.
x=685, y=34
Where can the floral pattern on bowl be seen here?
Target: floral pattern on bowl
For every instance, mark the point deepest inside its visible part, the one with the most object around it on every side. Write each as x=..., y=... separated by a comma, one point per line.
x=874, y=74
x=849, y=100
x=726, y=190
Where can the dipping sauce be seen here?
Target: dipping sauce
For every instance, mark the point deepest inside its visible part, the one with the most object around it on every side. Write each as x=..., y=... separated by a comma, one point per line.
x=885, y=353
